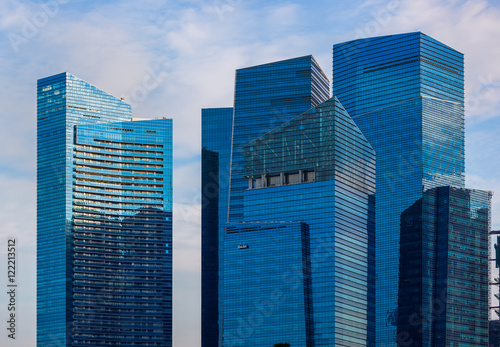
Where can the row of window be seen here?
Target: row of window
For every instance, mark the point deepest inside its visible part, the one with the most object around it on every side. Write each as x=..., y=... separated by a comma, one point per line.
x=126, y=151
x=281, y=179
x=117, y=163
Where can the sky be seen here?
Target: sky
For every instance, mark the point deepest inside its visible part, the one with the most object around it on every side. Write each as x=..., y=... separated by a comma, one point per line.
x=171, y=59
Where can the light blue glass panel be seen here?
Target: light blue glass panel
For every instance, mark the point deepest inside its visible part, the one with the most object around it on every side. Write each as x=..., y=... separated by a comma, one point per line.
x=334, y=195
x=266, y=291
x=405, y=92
x=63, y=101
x=217, y=127
x=97, y=188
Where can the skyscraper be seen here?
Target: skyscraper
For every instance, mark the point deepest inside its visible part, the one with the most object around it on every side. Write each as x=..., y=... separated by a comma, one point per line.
x=494, y=313
x=265, y=97
x=317, y=169
x=443, y=279
x=406, y=94
x=104, y=220
x=217, y=126
x=267, y=284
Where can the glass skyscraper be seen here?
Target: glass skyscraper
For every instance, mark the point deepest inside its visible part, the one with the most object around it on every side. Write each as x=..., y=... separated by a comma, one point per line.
x=104, y=220
x=296, y=258
x=406, y=94
x=217, y=127
x=267, y=284
x=318, y=169
x=265, y=97
x=443, y=279
x=494, y=312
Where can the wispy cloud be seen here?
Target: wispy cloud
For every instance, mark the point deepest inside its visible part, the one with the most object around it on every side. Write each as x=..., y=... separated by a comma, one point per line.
x=117, y=45
x=471, y=27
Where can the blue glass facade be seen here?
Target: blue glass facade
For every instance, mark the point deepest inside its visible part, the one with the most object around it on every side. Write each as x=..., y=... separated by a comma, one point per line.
x=494, y=333
x=265, y=97
x=267, y=288
x=494, y=295
x=104, y=220
x=443, y=283
x=217, y=126
x=405, y=92
x=320, y=170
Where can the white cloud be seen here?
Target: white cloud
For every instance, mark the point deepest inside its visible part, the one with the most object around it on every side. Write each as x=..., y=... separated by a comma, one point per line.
x=470, y=27
x=196, y=46
x=283, y=17
x=187, y=275
x=187, y=237
x=17, y=209
x=13, y=13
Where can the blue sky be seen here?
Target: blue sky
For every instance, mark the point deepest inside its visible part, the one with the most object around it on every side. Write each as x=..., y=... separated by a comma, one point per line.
x=172, y=58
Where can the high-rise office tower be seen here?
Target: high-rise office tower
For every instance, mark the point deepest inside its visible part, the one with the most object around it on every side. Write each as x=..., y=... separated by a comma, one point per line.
x=217, y=127
x=267, y=284
x=318, y=170
x=494, y=314
x=265, y=97
x=443, y=279
x=104, y=220
x=406, y=94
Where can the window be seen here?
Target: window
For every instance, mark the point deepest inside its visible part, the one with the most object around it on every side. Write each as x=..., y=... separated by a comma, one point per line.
x=258, y=183
x=292, y=178
x=309, y=176
x=273, y=181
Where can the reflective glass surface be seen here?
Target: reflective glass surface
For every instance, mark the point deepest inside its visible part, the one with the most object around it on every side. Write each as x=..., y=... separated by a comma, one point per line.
x=267, y=294
x=313, y=168
x=104, y=223
x=265, y=97
x=122, y=254
x=443, y=281
x=217, y=126
x=405, y=92
x=334, y=195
